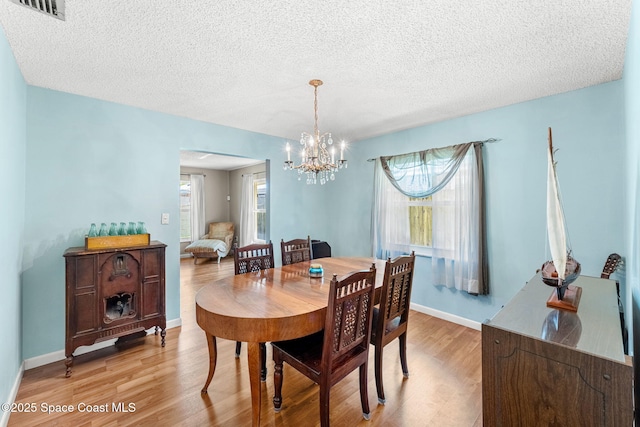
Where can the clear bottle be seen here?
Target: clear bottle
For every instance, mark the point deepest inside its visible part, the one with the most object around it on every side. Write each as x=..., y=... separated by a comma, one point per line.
x=132, y=228
x=113, y=230
x=93, y=230
x=141, y=228
x=103, y=230
x=122, y=231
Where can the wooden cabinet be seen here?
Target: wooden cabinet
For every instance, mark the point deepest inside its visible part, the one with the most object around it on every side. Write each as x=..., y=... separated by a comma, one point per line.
x=543, y=366
x=112, y=293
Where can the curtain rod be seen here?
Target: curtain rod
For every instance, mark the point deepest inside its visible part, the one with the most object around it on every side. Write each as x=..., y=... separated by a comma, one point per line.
x=486, y=141
x=189, y=174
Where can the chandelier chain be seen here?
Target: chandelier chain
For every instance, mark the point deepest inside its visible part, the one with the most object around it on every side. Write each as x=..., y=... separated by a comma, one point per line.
x=315, y=110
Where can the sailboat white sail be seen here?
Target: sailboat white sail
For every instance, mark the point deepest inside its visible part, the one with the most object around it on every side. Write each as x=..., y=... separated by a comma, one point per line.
x=563, y=269
x=555, y=217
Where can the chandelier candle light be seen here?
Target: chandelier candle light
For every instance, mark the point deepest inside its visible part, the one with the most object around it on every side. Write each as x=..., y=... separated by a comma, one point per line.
x=316, y=161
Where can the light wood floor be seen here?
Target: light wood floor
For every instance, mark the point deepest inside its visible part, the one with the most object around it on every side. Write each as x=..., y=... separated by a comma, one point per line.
x=163, y=384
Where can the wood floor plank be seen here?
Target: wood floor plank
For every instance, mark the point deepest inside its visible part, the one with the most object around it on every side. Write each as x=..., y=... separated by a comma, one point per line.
x=163, y=384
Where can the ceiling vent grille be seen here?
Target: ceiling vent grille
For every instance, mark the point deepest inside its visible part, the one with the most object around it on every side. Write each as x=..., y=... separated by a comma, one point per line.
x=53, y=8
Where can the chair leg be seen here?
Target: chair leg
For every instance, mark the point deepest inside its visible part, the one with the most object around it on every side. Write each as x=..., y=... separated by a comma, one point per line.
x=325, y=389
x=402, y=340
x=378, y=372
x=277, y=381
x=364, y=393
x=263, y=362
x=238, y=347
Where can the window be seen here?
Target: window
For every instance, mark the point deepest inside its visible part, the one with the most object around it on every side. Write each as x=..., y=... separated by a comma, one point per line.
x=421, y=210
x=423, y=228
x=420, y=221
x=185, y=208
x=260, y=209
x=253, y=209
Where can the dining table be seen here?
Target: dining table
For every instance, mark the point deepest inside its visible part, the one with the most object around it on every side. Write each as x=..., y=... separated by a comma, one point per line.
x=270, y=305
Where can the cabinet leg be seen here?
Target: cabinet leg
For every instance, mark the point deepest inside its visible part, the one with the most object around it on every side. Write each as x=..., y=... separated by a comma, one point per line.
x=68, y=362
x=155, y=332
x=163, y=334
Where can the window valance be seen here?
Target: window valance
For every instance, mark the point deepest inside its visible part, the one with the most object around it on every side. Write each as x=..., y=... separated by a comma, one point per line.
x=422, y=173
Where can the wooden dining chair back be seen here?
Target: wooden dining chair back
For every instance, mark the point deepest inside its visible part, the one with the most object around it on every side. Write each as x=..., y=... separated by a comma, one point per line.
x=296, y=250
x=391, y=318
x=330, y=355
x=253, y=258
x=247, y=259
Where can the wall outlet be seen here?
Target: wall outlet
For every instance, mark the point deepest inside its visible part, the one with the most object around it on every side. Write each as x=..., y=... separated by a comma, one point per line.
x=165, y=219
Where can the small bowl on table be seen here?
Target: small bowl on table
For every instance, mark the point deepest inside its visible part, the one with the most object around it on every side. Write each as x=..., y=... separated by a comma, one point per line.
x=315, y=270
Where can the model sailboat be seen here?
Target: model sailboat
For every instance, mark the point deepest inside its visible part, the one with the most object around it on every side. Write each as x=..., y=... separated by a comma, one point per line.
x=563, y=269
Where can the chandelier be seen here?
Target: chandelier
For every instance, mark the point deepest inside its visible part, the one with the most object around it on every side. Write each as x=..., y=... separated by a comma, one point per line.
x=318, y=161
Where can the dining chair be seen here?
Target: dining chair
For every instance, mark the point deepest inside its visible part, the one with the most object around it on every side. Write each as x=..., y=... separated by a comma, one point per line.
x=328, y=356
x=253, y=257
x=296, y=250
x=249, y=259
x=391, y=318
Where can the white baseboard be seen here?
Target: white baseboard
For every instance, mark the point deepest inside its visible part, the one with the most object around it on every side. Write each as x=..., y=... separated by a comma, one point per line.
x=174, y=323
x=447, y=316
x=56, y=356
x=4, y=418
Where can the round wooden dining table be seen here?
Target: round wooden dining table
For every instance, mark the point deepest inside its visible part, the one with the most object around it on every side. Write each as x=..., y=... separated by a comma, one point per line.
x=270, y=305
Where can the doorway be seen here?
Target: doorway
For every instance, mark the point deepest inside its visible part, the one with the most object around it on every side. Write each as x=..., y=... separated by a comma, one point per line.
x=222, y=189
x=222, y=184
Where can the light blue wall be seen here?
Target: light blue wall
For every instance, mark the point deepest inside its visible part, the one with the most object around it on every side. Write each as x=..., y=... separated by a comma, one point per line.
x=13, y=104
x=95, y=161
x=588, y=130
x=632, y=211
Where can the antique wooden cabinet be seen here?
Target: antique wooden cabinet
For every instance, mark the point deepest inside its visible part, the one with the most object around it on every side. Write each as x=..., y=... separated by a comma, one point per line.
x=112, y=293
x=544, y=366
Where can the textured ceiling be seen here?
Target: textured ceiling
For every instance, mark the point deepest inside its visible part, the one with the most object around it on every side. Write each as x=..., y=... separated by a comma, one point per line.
x=386, y=66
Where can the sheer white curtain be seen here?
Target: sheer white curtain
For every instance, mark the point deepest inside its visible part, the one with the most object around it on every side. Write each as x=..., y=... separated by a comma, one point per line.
x=391, y=233
x=247, y=223
x=197, y=207
x=456, y=230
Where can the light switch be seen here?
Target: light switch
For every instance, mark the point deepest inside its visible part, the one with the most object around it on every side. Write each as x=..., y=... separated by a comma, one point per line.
x=165, y=218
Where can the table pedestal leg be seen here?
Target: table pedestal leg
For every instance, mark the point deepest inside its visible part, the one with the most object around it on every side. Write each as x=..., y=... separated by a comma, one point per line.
x=254, y=380
x=213, y=354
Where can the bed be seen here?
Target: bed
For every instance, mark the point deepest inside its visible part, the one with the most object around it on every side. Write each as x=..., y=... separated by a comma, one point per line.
x=217, y=243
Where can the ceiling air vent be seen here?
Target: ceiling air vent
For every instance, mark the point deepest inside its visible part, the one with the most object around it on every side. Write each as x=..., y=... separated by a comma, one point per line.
x=53, y=8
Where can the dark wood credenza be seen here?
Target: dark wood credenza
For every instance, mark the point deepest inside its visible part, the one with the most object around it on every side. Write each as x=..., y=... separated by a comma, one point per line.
x=113, y=293
x=543, y=366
